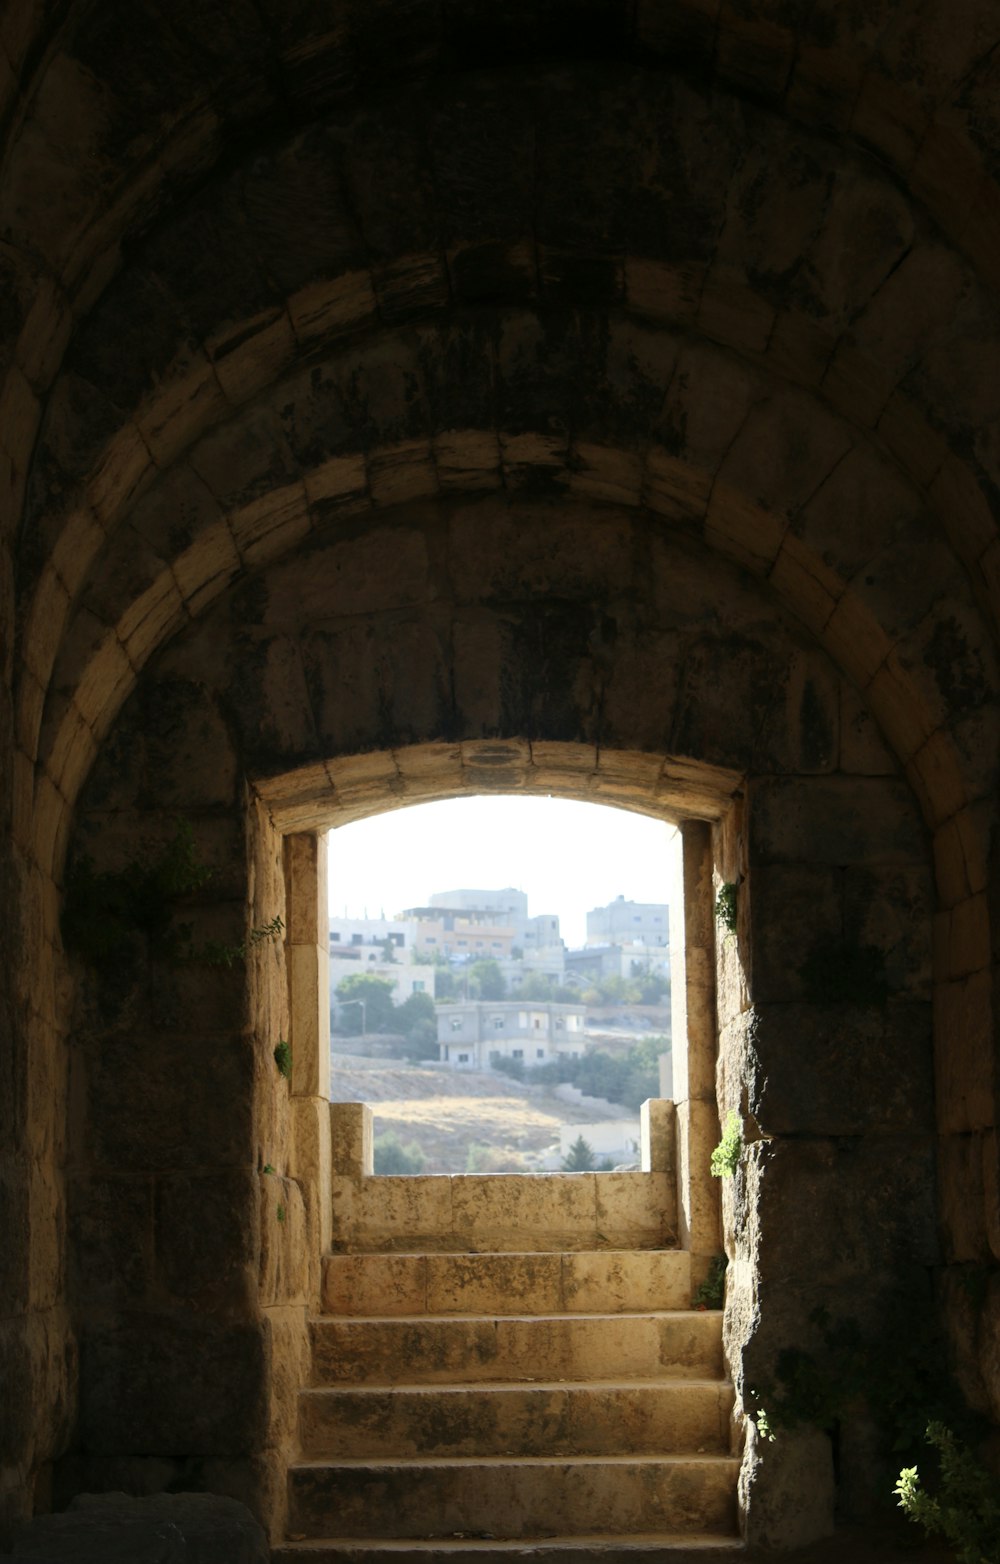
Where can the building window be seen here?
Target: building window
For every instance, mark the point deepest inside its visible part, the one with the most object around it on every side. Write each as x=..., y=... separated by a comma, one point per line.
x=463, y=1058
x=334, y=939
x=517, y=1053
x=539, y=1053
x=560, y=1024
x=538, y=1023
x=419, y=985
x=357, y=939
x=498, y=1023
x=431, y=939
x=456, y=1023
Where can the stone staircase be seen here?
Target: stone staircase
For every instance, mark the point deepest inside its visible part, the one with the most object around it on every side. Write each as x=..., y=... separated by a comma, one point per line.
x=549, y=1391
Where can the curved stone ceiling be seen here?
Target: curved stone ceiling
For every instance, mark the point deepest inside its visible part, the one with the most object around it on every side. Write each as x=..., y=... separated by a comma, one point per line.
x=659, y=281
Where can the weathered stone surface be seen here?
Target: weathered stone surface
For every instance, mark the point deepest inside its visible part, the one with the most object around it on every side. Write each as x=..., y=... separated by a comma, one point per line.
x=801, y=1059
x=177, y=1528
x=189, y=1384
x=789, y=1497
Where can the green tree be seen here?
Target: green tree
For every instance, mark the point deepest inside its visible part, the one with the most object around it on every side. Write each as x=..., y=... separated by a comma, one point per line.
x=536, y=985
x=391, y=1156
x=486, y=980
x=446, y=984
x=376, y=995
x=416, y=1018
x=580, y=1157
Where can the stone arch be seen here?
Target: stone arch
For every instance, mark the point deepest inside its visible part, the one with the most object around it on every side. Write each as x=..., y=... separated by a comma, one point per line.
x=291, y=698
x=170, y=282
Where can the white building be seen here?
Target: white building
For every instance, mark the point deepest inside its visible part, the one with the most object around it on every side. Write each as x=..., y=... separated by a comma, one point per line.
x=379, y=947
x=534, y=941
x=625, y=923
x=470, y=1034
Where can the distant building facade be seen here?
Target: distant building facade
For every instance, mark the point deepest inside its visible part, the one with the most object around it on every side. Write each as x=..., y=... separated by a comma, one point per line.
x=624, y=922
x=470, y=1034
x=379, y=947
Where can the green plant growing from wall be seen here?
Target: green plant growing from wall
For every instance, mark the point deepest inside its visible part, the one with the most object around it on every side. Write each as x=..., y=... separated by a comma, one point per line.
x=283, y=1058
x=104, y=909
x=710, y=1294
x=725, y=907
x=217, y=953
x=726, y=1156
x=964, y=1509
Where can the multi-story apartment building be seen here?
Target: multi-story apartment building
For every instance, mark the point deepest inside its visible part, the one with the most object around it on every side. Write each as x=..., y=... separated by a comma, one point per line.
x=470, y=1034
x=461, y=933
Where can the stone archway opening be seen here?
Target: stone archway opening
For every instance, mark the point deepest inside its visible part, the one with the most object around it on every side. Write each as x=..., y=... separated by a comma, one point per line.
x=357, y=787
x=500, y=981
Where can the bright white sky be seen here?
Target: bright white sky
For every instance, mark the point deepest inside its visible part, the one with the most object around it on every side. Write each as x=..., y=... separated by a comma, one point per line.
x=567, y=856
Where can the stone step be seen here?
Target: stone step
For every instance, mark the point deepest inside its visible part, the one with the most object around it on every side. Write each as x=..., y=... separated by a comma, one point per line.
x=660, y=1548
x=606, y=1418
x=509, y=1498
x=506, y=1212
x=584, y=1281
x=438, y=1349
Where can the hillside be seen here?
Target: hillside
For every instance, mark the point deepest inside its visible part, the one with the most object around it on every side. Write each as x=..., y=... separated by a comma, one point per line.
x=447, y=1112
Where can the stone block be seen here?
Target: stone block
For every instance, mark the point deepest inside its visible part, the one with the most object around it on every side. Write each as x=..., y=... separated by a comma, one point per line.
x=351, y=1139
x=890, y=910
x=111, y=1239
x=698, y=1195
x=164, y=1528
x=805, y=1060
x=378, y=1284
x=964, y=1064
x=876, y=1193
x=786, y=1489
x=15, y=1234
x=961, y=1196
x=309, y=988
x=285, y=1264
x=626, y=1280
x=796, y=921
x=17, y=1426
x=391, y=1213
x=494, y=1284
x=658, y=1132
x=169, y=1101
x=834, y=820
x=637, y=1210
x=523, y=1213
x=206, y=1228
x=310, y=1159
x=188, y=1385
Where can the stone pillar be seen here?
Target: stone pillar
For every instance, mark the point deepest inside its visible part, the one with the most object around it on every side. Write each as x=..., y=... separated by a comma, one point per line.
x=308, y=958
x=693, y=1022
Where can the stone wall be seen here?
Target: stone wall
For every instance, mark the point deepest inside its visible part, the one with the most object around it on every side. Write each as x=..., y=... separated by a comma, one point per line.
x=788, y=1052
x=614, y=386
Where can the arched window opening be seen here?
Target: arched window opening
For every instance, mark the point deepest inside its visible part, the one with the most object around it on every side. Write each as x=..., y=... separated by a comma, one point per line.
x=500, y=982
